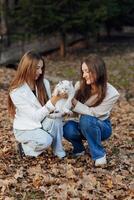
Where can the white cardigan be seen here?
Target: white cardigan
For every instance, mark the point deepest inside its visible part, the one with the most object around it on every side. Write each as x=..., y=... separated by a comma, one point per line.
x=29, y=111
x=101, y=111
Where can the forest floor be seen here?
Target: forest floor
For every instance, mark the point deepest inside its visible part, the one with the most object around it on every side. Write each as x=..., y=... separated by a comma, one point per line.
x=49, y=178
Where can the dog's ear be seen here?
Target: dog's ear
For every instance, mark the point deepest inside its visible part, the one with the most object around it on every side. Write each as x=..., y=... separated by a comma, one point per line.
x=60, y=83
x=71, y=83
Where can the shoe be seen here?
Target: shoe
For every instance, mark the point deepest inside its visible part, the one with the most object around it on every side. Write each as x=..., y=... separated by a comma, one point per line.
x=61, y=154
x=101, y=161
x=82, y=153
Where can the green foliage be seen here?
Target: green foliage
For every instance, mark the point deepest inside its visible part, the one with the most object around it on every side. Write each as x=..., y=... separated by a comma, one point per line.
x=41, y=17
x=27, y=18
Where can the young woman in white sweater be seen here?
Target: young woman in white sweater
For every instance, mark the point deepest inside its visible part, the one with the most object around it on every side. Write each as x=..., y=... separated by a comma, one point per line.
x=94, y=100
x=29, y=103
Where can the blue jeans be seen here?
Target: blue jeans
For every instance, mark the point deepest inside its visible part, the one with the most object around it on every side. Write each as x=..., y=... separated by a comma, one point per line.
x=90, y=128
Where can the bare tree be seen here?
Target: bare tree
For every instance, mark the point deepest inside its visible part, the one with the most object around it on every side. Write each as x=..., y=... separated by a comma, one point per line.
x=3, y=23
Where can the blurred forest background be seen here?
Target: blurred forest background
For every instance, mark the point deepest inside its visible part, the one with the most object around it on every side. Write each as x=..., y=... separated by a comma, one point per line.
x=22, y=21
x=64, y=31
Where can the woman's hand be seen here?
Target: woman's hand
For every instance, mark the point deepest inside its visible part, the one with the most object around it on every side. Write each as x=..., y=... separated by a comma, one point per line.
x=56, y=98
x=63, y=95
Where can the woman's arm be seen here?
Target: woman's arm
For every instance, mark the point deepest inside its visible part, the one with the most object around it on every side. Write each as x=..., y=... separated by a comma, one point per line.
x=26, y=108
x=101, y=110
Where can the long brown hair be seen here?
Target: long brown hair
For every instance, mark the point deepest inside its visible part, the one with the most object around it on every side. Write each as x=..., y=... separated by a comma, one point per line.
x=97, y=67
x=25, y=73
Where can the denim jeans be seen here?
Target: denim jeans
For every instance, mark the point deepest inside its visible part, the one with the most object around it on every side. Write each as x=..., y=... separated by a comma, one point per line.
x=90, y=128
x=35, y=141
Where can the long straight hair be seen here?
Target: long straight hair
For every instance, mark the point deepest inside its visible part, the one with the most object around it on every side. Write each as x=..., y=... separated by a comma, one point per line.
x=26, y=73
x=97, y=67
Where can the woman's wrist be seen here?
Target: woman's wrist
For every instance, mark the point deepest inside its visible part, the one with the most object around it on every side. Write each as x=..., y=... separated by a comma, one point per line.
x=57, y=97
x=50, y=106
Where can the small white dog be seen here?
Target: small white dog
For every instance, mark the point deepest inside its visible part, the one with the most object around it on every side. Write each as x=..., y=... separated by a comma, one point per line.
x=63, y=106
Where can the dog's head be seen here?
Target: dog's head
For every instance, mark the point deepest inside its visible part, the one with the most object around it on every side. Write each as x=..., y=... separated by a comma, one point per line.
x=64, y=86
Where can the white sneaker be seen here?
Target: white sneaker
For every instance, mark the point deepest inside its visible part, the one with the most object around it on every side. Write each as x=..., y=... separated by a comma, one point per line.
x=101, y=161
x=60, y=154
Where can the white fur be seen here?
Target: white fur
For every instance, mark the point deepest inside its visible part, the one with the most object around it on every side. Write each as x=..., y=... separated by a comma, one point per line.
x=63, y=106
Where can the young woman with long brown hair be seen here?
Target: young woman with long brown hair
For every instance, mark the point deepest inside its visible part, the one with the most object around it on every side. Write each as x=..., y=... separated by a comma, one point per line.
x=29, y=103
x=94, y=100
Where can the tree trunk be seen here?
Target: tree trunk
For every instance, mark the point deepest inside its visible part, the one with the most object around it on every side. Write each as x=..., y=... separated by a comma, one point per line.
x=3, y=23
x=63, y=44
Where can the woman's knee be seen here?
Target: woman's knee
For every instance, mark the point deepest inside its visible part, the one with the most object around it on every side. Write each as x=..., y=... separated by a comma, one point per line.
x=69, y=129
x=44, y=141
x=87, y=121
x=48, y=140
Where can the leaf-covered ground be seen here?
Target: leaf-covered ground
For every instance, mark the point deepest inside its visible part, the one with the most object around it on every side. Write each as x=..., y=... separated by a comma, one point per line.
x=49, y=178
